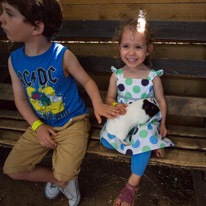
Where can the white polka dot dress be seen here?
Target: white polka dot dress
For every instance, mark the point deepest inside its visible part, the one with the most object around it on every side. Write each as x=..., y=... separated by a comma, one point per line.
x=143, y=137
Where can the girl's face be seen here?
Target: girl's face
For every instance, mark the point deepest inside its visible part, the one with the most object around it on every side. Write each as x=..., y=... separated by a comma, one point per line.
x=13, y=24
x=133, y=48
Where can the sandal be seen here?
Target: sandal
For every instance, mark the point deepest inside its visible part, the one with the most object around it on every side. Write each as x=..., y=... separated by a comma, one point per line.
x=160, y=153
x=127, y=195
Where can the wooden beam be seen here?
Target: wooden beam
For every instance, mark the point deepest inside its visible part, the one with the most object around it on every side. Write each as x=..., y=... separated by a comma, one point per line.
x=164, y=30
x=156, y=11
x=176, y=31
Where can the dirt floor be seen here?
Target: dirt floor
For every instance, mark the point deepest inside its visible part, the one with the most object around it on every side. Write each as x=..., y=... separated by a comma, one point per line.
x=100, y=181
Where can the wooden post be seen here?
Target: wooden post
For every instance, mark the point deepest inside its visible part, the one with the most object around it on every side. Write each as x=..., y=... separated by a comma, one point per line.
x=199, y=184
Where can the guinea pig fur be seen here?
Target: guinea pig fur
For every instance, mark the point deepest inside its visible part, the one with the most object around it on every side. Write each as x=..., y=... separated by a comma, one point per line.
x=138, y=112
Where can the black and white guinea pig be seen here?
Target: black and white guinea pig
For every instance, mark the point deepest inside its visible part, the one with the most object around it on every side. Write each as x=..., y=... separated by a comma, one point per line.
x=138, y=112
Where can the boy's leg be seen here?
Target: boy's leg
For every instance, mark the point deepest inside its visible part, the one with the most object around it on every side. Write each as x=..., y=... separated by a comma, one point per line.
x=25, y=155
x=71, y=147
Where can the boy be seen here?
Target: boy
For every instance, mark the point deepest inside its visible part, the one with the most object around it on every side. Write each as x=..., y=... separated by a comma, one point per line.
x=45, y=93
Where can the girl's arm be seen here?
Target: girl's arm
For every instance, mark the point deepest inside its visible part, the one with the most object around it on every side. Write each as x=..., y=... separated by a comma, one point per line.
x=159, y=94
x=112, y=94
x=25, y=109
x=72, y=66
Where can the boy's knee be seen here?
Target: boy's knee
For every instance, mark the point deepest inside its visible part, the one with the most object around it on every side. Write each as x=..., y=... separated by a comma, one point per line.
x=15, y=176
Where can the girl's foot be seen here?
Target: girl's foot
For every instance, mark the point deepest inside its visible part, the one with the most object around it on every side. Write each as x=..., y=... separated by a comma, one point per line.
x=126, y=196
x=160, y=153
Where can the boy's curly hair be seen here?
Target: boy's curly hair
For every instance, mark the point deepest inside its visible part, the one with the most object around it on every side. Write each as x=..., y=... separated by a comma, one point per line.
x=47, y=11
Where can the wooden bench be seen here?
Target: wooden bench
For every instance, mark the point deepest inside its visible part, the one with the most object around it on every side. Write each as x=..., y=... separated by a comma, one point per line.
x=179, y=49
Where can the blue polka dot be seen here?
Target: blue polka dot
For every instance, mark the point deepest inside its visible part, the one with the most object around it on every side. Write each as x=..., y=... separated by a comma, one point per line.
x=136, y=144
x=121, y=87
x=153, y=140
x=122, y=146
x=145, y=82
x=129, y=152
x=149, y=126
x=111, y=136
x=150, y=89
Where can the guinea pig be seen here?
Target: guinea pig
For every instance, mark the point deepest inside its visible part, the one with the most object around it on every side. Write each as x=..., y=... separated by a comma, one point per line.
x=138, y=112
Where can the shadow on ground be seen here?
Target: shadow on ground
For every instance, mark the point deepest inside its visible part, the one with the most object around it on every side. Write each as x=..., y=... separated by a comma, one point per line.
x=100, y=181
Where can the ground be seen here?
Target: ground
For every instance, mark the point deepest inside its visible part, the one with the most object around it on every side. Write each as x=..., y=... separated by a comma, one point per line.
x=100, y=181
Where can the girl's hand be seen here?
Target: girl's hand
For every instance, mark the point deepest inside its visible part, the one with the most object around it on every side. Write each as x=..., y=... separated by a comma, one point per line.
x=44, y=133
x=163, y=130
x=106, y=111
x=121, y=108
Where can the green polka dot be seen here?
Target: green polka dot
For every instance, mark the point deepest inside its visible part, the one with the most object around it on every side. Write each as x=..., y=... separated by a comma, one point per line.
x=156, y=134
x=158, y=73
x=128, y=81
x=143, y=125
x=114, y=145
x=146, y=149
x=149, y=78
x=128, y=95
x=153, y=122
x=136, y=89
x=144, y=95
x=119, y=71
x=143, y=133
x=162, y=145
x=132, y=142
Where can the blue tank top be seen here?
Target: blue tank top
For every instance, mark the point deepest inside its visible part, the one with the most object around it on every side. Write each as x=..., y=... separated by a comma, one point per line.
x=54, y=97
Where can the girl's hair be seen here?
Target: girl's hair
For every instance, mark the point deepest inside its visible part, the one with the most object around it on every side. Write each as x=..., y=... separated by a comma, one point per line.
x=47, y=11
x=132, y=24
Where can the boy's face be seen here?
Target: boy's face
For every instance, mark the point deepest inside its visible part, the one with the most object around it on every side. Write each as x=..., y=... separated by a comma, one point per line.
x=13, y=24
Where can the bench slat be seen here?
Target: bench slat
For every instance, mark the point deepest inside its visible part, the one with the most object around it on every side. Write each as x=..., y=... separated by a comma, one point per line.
x=172, y=67
x=180, y=142
x=174, y=158
x=176, y=105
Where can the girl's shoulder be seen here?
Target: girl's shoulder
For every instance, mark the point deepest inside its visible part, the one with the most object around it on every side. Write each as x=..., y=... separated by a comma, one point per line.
x=153, y=73
x=118, y=72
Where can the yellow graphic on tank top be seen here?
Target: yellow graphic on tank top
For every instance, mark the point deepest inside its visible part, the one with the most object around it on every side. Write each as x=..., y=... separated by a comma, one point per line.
x=45, y=100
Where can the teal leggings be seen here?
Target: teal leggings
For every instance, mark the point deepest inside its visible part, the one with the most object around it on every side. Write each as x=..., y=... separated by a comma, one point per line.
x=138, y=162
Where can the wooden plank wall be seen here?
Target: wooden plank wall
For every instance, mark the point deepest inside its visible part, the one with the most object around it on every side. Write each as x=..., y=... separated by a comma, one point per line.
x=157, y=10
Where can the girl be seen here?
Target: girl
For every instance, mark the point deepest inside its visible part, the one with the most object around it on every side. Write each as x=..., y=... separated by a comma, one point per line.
x=132, y=82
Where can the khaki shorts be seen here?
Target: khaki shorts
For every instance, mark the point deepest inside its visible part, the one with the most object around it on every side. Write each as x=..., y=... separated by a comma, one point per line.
x=67, y=157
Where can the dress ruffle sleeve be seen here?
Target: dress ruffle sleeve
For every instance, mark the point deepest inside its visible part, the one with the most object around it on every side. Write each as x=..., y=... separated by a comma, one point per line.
x=113, y=69
x=155, y=73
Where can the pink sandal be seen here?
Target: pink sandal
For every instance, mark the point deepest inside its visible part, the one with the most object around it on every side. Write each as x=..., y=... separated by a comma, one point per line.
x=127, y=195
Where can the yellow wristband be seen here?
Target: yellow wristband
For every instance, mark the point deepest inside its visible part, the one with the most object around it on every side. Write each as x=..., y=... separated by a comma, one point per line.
x=36, y=124
x=114, y=104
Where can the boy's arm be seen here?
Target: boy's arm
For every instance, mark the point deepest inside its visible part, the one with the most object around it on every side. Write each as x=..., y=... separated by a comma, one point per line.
x=72, y=66
x=26, y=110
x=159, y=95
